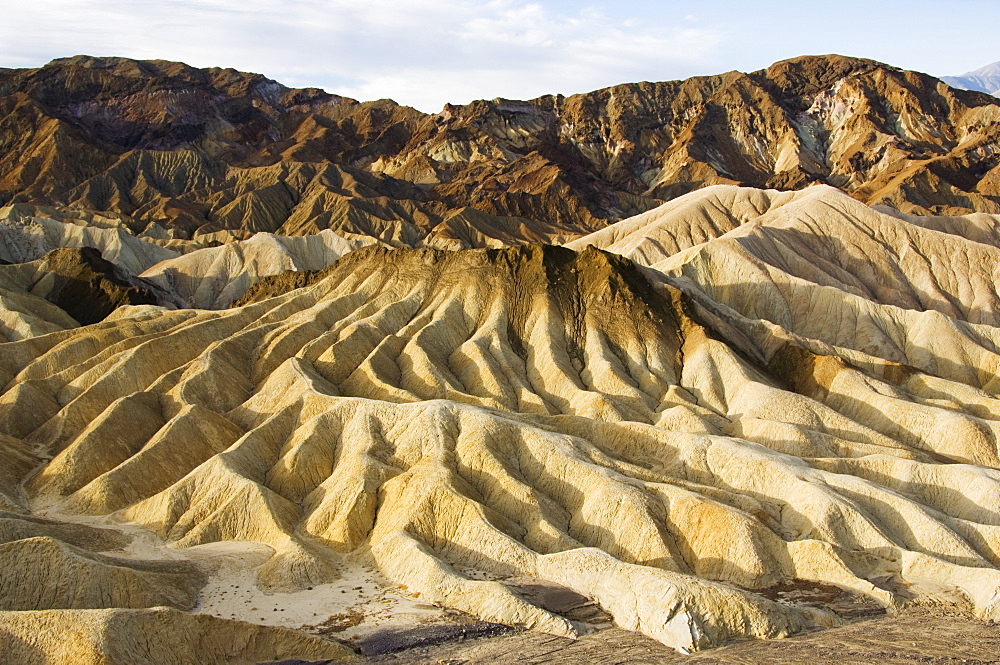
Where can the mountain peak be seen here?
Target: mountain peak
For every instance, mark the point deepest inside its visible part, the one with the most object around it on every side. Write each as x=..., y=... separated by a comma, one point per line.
x=985, y=79
x=992, y=69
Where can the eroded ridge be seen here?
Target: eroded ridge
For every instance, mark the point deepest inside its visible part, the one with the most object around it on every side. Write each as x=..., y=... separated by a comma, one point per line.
x=462, y=418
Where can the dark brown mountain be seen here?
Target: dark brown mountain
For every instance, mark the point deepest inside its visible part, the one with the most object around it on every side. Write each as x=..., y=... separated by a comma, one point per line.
x=81, y=283
x=200, y=150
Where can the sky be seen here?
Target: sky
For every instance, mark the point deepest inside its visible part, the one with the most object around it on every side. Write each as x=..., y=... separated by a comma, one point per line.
x=425, y=53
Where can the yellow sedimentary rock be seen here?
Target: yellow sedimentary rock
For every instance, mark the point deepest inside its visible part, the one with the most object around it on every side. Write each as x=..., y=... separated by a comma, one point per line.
x=669, y=442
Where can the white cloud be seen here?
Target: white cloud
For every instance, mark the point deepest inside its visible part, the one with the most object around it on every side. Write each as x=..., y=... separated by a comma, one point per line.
x=418, y=52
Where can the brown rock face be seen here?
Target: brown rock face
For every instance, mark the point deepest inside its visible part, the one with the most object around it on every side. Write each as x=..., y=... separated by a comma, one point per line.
x=84, y=285
x=280, y=284
x=204, y=150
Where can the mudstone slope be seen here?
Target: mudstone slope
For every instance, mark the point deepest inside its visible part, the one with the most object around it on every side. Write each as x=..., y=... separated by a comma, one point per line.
x=677, y=438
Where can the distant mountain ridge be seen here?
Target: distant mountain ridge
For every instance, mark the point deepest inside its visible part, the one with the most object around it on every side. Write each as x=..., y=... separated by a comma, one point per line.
x=199, y=151
x=985, y=79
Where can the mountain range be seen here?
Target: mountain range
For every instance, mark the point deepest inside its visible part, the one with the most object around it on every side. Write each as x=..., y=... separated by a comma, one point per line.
x=984, y=79
x=197, y=152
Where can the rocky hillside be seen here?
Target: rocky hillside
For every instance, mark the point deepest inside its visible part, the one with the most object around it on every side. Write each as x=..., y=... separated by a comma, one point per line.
x=785, y=396
x=197, y=151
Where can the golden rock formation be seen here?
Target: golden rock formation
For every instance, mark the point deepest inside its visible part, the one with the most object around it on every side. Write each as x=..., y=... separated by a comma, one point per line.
x=158, y=635
x=759, y=407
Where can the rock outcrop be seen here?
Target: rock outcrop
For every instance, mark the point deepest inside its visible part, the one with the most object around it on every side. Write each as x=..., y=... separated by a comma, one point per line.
x=81, y=283
x=213, y=277
x=160, y=635
x=200, y=273
x=842, y=278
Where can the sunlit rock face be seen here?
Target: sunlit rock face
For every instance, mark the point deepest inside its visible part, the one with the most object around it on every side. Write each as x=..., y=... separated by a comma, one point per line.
x=795, y=388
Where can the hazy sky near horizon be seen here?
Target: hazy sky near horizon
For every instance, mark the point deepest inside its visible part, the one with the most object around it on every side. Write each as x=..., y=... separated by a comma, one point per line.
x=428, y=52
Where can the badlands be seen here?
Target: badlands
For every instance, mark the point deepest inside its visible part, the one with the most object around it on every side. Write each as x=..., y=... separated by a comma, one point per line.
x=556, y=425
